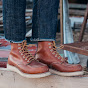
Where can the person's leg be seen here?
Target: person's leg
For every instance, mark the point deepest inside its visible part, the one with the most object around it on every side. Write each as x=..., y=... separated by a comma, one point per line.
x=45, y=20
x=14, y=20
x=44, y=31
x=20, y=59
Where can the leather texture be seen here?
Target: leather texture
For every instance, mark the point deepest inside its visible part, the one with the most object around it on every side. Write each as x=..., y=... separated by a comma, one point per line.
x=48, y=54
x=22, y=59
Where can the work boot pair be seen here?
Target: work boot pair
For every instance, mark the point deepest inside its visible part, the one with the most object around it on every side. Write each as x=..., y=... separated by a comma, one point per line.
x=23, y=62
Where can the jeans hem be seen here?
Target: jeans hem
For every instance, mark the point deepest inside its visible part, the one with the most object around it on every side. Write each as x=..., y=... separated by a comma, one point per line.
x=38, y=39
x=11, y=41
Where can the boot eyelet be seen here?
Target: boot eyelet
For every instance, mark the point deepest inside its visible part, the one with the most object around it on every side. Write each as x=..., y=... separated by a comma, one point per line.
x=20, y=51
x=49, y=43
x=49, y=46
x=58, y=58
x=25, y=58
x=21, y=54
x=19, y=47
x=51, y=50
x=28, y=61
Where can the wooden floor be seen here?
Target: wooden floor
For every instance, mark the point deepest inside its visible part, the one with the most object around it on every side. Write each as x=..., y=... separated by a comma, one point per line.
x=13, y=80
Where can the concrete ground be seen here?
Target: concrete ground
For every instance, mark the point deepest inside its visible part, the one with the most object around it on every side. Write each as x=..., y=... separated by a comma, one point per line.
x=10, y=79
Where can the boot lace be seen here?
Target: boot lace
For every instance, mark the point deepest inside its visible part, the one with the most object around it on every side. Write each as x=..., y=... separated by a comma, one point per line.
x=54, y=51
x=24, y=51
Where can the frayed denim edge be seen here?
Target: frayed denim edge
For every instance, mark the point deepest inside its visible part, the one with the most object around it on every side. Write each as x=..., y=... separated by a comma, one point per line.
x=37, y=39
x=11, y=41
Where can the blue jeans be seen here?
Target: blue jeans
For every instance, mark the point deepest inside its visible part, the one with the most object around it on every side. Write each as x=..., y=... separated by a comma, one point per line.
x=44, y=21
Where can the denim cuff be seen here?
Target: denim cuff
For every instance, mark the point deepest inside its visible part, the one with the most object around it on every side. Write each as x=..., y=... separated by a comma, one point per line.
x=39, y=39
x=11, y=41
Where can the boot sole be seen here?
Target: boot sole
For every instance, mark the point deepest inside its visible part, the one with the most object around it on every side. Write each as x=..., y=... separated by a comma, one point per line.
x=67, y=74
x=14, y=69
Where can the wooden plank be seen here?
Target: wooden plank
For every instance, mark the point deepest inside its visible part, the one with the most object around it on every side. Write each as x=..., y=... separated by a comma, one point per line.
x=77, y=6
x=73, y=12
x=77, y=25
x=77, y=12
x=79, y=47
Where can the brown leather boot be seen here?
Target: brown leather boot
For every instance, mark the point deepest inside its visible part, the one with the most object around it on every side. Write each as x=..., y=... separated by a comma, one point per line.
x=22, y=62
x=48, y=54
